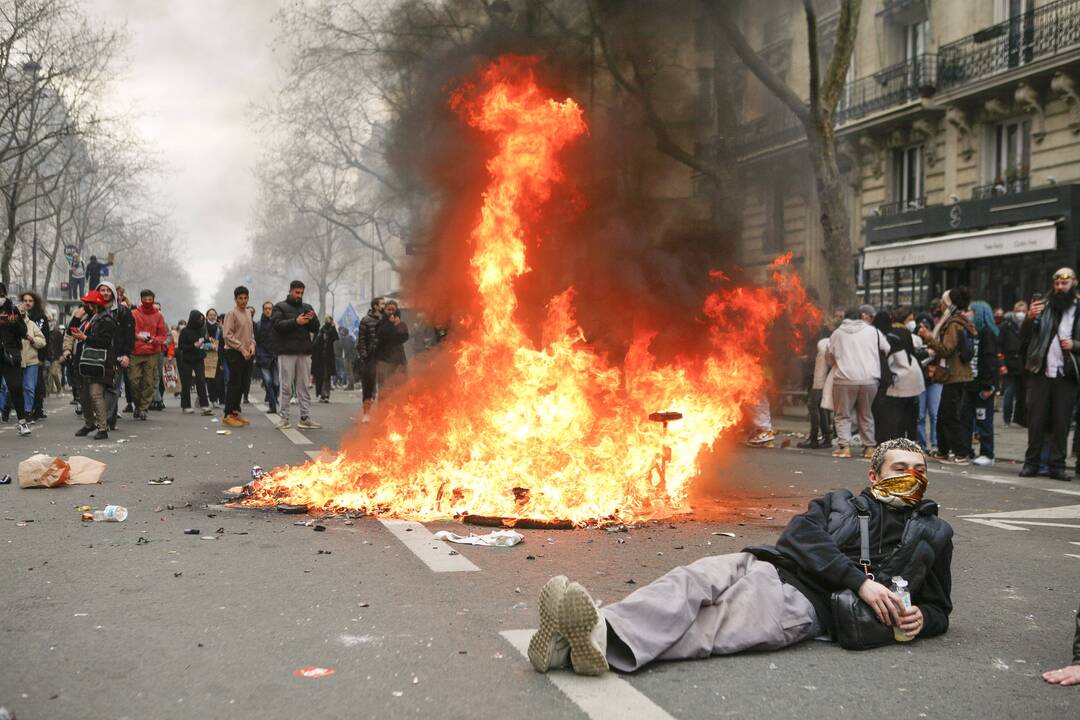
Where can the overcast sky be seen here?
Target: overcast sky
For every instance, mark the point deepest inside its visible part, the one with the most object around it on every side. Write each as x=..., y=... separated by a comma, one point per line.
x=195, y=68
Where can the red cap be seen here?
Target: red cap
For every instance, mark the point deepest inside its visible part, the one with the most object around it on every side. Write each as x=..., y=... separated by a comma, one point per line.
x=93, y=297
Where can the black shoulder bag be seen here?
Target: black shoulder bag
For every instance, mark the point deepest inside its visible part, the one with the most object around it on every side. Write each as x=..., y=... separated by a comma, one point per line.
x=857, y=627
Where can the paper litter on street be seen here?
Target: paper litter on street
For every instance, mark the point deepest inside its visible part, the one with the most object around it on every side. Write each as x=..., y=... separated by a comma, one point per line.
x=496, y=538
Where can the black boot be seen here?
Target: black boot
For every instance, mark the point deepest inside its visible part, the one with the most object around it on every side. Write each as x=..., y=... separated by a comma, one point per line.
x=101, y=435
x=83, y=431
x=1029, y=471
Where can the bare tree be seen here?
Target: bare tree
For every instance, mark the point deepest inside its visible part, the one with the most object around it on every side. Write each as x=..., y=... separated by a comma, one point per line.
x=53, y=62
x=817, y=118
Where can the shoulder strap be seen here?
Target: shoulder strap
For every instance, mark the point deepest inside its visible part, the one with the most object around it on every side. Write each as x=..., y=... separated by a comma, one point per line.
x=864, y=540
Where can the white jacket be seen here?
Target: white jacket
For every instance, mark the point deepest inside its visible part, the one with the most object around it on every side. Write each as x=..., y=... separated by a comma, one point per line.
x=854, y=349
x=907, y=372
x=821, y=365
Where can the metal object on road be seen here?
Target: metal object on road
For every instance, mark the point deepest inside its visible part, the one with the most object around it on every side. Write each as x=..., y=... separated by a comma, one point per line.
x=191, y=531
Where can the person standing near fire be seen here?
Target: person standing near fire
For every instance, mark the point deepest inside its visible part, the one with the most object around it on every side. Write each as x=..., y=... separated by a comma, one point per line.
x=239, y=335
x=295, y=325
x=390, y=337
x=366, y=344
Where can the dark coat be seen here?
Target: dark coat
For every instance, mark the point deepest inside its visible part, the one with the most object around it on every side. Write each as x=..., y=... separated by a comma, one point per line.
x=12, y=331
x=1042, y=331
x=101, y=333
x=264, y=341
x=1011, y=346
x=988, y=363
x=195, y=330
x=366, y=339
x=291, y=338
x=323, y=356
x=390, y=342
x=818, y=553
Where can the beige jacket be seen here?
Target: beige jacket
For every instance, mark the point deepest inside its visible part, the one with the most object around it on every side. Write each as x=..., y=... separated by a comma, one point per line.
x=30, y=347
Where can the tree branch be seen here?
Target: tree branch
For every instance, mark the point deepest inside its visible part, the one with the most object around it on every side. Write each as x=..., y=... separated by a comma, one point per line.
x=836, y=75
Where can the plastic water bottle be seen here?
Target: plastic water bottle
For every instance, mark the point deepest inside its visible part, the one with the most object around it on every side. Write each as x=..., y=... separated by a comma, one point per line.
x=111, y=513
x=900, y=587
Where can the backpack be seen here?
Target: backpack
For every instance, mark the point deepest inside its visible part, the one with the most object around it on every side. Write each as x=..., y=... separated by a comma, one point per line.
x=965, y=346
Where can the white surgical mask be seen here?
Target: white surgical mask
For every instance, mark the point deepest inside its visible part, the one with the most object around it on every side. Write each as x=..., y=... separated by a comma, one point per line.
x=910, y=325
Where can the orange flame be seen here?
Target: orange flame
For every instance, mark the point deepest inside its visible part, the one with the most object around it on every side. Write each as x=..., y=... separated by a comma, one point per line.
x=547, y=430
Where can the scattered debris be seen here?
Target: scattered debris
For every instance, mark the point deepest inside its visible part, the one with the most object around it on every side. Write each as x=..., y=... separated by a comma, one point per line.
x=142, y=540
x=726, y=534
x=163, y=480
x=616, y=528
x=191, y=531
x=256, y=471
x=208, y=537
x=291, y=509
x=313, y=672
x=224, y=432
x=47, y=471
x=111, y=513
x=324, y=552
x=177, y=574
x=631, y=581
x=530, y=557
x=319, y=528
x=5, y=480
x=496, y=538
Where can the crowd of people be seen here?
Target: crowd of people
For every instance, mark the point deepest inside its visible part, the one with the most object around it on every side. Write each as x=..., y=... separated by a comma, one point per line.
x=111, y=347
x=936, y=377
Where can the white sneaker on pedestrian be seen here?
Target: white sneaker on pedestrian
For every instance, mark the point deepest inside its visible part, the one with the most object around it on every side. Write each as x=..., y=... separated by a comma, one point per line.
x=24, y=429
x=957, y=460
x=284, y=424
x=983, y=460
x=308, y=424
x=188, y=411
x=585, y=630
x=548, y=649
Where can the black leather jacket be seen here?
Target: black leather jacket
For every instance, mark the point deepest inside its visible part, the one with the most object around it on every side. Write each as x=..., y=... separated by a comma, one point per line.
x=818, y=553
x=1042, y=331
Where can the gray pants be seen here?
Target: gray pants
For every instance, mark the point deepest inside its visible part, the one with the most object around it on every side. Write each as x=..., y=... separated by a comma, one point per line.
x=718, y=605
x=855, y=400
x=294, y=369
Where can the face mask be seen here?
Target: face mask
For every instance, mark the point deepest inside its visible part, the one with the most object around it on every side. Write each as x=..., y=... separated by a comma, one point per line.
x=910, y=325
x=901, y=491
x=148, y=303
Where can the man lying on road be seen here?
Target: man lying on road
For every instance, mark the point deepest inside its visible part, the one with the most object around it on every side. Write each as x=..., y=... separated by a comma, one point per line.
x=768, y=597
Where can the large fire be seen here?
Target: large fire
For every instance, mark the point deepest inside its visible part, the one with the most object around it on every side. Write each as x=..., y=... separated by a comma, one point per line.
x=547, y=430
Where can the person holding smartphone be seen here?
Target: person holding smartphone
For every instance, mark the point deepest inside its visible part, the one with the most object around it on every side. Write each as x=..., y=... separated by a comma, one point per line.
x=294, y=328
x=1052, y=364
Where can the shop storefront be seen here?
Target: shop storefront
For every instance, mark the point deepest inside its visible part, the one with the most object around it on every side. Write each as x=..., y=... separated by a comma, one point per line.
x=1003, y=248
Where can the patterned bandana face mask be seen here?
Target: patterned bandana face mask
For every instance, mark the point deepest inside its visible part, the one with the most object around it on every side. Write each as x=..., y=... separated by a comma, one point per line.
x=901, y=491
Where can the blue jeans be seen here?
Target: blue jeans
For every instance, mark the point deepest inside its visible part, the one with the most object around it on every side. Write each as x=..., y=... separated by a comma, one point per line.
x=929, y=402
x=270, y=383
x=984, y=424
x=29, y=385
x=1012, y=383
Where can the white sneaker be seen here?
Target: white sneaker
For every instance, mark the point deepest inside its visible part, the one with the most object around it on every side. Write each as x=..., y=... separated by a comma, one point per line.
x=983, y=460
x=580, y=623
x=548, y=649
x=24, y=429
x=188, y=411
x=283, y=425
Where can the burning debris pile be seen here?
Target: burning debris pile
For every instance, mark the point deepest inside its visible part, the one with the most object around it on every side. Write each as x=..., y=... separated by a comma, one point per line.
x=548, y=429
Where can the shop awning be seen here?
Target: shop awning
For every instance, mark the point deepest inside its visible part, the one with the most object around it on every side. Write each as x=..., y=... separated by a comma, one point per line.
x=1009, y=240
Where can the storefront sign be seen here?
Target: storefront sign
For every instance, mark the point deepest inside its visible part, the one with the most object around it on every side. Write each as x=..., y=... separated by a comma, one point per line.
x=1008, y=240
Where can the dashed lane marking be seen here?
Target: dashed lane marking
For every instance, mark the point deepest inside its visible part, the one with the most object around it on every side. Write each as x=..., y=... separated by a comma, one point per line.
x=294, y=435
x=607, y=697
x=434, y=553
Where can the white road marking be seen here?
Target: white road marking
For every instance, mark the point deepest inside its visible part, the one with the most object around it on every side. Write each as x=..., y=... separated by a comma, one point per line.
x=1062, y=492
x=1072, y=556
x=1013, y=519
x=294, y=435
x=607, y=697
x=434, y=553
x=325, y=454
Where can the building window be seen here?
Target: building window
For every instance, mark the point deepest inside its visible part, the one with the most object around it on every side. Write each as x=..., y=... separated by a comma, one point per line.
x=773, y=240
x=1012, y=151
x=908, y=178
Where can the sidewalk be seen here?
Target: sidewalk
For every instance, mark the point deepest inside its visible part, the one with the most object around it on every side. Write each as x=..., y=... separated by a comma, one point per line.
x=1009, y=443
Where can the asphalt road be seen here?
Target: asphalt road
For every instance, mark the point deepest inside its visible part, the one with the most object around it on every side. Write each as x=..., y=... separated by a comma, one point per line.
x=97, y=624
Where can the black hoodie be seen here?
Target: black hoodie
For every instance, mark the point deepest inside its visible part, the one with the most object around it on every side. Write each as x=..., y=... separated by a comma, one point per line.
x=290, y=337
x=193, y=332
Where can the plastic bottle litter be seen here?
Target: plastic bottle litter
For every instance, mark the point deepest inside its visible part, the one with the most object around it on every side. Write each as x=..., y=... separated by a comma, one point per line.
x=111, y=513
x=900, y=587
x=257, y=472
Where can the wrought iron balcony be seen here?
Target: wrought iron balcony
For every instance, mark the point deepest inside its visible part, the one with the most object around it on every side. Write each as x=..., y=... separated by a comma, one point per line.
x=768, y=131
x=895, y=85
x=902, y=206
x=1034, y=35
x=1002, y=187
